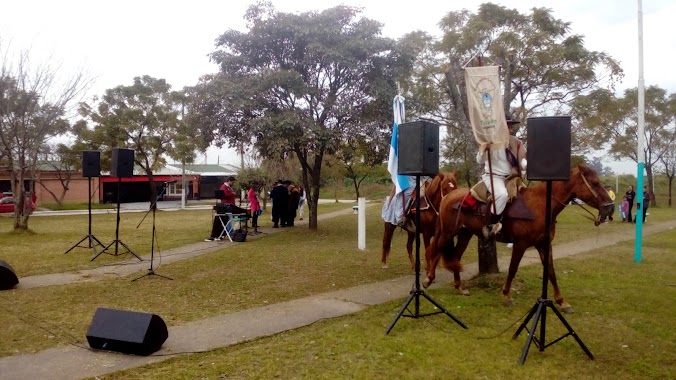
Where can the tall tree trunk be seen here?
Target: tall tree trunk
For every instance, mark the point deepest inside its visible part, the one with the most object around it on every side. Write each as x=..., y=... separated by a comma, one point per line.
x=671, y=180
x=651, y=190
x=488, y=256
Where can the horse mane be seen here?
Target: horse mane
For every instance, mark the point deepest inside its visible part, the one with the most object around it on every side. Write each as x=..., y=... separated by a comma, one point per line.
x=436, y=181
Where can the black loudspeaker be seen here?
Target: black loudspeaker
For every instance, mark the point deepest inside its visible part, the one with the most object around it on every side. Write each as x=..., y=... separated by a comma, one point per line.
x=122, y=163
x=548, y=149
x=126, y=331
x=8, y=278
x=91, y=163
x=418, y=150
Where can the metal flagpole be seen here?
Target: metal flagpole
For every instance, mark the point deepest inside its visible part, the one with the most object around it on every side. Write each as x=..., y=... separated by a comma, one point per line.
x=640, y=153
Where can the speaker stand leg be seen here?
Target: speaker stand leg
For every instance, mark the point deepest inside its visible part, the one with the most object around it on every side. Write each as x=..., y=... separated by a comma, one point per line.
x=417, y=292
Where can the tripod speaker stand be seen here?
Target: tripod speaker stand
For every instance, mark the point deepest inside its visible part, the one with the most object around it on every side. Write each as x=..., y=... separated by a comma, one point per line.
x=153, y=208
x=548, y=159
x=416, y=292
x=117, y=242
x=91, y=239
x=539, y=311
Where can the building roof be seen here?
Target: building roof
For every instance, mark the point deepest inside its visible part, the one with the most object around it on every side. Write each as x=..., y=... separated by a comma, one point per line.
x=209, y=170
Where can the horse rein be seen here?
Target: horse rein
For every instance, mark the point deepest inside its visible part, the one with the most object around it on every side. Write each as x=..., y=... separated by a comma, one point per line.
x=429, y=202
x=594, y=219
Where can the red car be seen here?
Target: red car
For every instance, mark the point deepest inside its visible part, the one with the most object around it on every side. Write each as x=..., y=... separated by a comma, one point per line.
x=7, y=204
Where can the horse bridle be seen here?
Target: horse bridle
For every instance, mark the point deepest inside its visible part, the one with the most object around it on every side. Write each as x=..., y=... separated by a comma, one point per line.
x=594, y=218
x=429, y=202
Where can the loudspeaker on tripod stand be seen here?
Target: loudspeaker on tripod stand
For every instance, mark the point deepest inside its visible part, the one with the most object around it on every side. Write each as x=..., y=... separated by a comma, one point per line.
x=418, y=150
x=122, y=163
x=91, y=163
x=548, y=152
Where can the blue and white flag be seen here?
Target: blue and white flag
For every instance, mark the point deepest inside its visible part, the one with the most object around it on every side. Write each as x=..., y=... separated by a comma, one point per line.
x=401, y=182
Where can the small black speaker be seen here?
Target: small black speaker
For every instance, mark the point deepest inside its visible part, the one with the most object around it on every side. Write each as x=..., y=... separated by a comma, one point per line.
x=91, y=163
x=8, y=278
x=129, y=332
x=548, y=149
x=122, y=163
x=418, y=150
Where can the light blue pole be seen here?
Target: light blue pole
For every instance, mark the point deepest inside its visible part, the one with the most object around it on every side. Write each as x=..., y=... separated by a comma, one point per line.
x=639, y=151
x=638, y=217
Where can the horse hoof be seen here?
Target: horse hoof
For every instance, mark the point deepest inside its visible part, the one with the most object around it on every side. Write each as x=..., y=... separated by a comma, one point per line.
x=384, y=266
x=509, y=303
x=464, y=292
x=426, y=283
x=567, y=309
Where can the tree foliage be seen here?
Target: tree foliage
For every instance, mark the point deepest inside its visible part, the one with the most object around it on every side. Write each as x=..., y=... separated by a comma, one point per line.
x=543, y=67
x=34, y=101
x=606, y=121
x=145, y=117
x=299, y=83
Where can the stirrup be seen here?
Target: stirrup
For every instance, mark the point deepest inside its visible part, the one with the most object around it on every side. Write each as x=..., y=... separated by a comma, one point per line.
x=491, y=230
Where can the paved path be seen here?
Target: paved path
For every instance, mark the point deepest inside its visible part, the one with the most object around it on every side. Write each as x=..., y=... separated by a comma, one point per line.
x=75, y=363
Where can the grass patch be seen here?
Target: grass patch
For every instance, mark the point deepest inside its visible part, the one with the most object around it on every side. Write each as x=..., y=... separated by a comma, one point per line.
x=41, y=249
x=625, y=322
x=288, y=265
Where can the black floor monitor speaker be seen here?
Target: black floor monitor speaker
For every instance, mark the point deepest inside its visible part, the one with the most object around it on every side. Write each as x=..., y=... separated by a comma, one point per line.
x=8, y=277
x=122, y=163
x=548, y=148
x=126, y=331
x=418, y=149
x=91, y=163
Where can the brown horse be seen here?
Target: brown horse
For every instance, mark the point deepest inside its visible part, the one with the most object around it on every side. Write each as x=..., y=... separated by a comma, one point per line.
x=442, y=184
x=524, y=233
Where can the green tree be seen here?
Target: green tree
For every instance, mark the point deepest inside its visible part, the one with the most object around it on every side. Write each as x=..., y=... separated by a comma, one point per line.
x=668, y=167
x=33, y=105
x=145, y=117
x=606, y=121
x=363, y=153
x=300, y=83
x=543, y=66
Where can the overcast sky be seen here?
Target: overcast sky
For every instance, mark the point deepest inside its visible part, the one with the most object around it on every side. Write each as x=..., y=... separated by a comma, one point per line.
x=116, y=41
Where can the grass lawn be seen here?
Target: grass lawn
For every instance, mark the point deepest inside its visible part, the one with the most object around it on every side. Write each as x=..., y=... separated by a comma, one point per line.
x=283, y=266
x=41, y=250
x=625, y=315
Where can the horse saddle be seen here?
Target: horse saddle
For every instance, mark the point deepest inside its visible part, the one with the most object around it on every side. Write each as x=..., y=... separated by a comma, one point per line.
x=481, y=200
x=424, y=204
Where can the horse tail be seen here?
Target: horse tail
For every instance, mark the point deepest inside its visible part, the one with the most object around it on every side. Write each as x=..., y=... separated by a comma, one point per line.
x=387, y=241
x=451, y=260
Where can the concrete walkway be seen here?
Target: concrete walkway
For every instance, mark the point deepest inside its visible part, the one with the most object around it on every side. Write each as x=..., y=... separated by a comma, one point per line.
x=75, y=363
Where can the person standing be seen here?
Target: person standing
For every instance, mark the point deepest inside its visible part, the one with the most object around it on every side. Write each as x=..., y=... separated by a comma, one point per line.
x=630, y=194
x=294, y=199
x=301, y=202
x=255, y=205
x=646, y=201
x=624, y=208
x=280, y=203
x=611, y=194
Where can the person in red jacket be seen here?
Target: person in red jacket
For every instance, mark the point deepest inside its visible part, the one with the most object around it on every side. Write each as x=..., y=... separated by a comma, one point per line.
x=228, y=192
x=228, y=200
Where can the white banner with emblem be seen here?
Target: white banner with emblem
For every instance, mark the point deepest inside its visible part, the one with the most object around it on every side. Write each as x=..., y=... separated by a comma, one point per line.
x=486, y=111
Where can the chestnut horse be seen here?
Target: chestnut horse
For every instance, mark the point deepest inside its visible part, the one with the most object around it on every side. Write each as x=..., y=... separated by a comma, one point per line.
x=442, y=184
x=524, y=233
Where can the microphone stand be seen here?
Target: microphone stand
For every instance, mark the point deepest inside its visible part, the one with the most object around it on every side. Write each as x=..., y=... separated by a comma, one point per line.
x=153, y=208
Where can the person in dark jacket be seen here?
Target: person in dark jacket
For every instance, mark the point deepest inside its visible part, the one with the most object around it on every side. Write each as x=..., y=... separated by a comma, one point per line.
x=294, y=199
x=630, y=194
x=280, y=204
